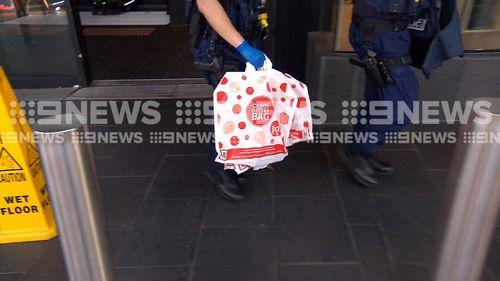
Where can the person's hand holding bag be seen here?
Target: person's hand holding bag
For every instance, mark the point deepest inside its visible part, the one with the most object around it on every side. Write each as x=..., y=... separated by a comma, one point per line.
x=251, y=54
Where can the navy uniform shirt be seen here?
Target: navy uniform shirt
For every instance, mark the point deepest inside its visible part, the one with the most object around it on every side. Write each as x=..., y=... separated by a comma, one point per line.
x=387, y=8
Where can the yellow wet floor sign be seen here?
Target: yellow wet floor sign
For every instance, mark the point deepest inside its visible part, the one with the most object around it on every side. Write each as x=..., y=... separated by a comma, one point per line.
x=25, y=211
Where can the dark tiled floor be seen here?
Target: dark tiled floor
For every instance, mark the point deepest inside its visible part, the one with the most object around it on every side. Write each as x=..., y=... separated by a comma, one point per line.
x=318, y=272
x=10, y=277
x=153, y=273
x=165, y=53
x=305, y=221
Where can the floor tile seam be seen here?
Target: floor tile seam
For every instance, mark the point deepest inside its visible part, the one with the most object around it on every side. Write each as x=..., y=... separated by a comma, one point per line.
x=238, y=217
x=277, y=226
x=385, y=245
x=102, y=157
x=438, y=170
x=413, y=263
x=487, y=270
x=424, y=165
x=318, y=263
x=364, y=224
x=228, y=227
x=185, y=155
x=112, y=229
x=140, y=205
x=308, y=196
x=433, y=179
x=152, y=266
x=274, y=234
x=155, y=174
x=126, y=176
x=128, y=229
x=118, y=175
x=389, y=251
x=28, y=268
x=354, y=245
x=436, y=184
x=12, y=272
x=199, y=237
x=180, y=229
x=176, y=199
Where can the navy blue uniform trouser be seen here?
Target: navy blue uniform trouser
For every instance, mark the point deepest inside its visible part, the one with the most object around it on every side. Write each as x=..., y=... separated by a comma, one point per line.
x=405, y=88
x=230, y=57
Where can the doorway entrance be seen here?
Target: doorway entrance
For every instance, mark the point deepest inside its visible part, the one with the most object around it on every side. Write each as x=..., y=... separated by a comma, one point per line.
x=145, y=40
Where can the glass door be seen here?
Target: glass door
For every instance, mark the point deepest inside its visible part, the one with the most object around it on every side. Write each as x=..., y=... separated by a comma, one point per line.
x=145, y=39
x=38, y=44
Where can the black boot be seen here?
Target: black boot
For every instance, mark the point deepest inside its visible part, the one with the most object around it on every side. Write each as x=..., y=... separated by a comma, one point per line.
x=359, y=166
x=380, y=167
x=228, y=184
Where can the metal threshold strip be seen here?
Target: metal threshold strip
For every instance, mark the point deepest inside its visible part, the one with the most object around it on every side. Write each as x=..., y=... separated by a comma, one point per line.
x=144, y=89
x=147, y=82
x=127, y=18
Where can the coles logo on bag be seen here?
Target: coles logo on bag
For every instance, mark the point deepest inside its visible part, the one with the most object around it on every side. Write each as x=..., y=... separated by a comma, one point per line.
x=275, y=129
x=260, y=110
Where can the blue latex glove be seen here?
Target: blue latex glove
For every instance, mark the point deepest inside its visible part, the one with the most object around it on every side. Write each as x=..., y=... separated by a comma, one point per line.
x=253, y=55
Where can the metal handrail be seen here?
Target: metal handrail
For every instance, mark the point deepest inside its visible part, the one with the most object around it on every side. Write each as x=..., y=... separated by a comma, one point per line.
x=72, y=183
x=475, y=182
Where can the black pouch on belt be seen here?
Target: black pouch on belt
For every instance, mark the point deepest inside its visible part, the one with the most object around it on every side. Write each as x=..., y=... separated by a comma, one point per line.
x=379, y=70
x=375, y=69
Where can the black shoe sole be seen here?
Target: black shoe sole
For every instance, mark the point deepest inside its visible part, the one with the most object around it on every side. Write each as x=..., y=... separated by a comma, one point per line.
x=219, y=189
x=361, y=181
x=384, y=174
x=355, y=175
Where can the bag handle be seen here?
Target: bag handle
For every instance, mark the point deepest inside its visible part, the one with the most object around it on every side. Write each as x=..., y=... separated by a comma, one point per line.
x=268, y=65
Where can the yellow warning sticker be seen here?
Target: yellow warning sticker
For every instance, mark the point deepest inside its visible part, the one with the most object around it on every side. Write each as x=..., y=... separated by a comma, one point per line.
x=10, y=170
x=7, y=162
x=33, y=160
x=25, y=209
x=33, y=156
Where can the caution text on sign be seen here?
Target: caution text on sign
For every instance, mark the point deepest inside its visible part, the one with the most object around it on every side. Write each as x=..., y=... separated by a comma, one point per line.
x=25, y=210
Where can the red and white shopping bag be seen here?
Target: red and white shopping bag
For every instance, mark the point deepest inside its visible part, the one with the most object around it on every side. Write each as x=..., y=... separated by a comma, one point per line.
x=257, y=115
